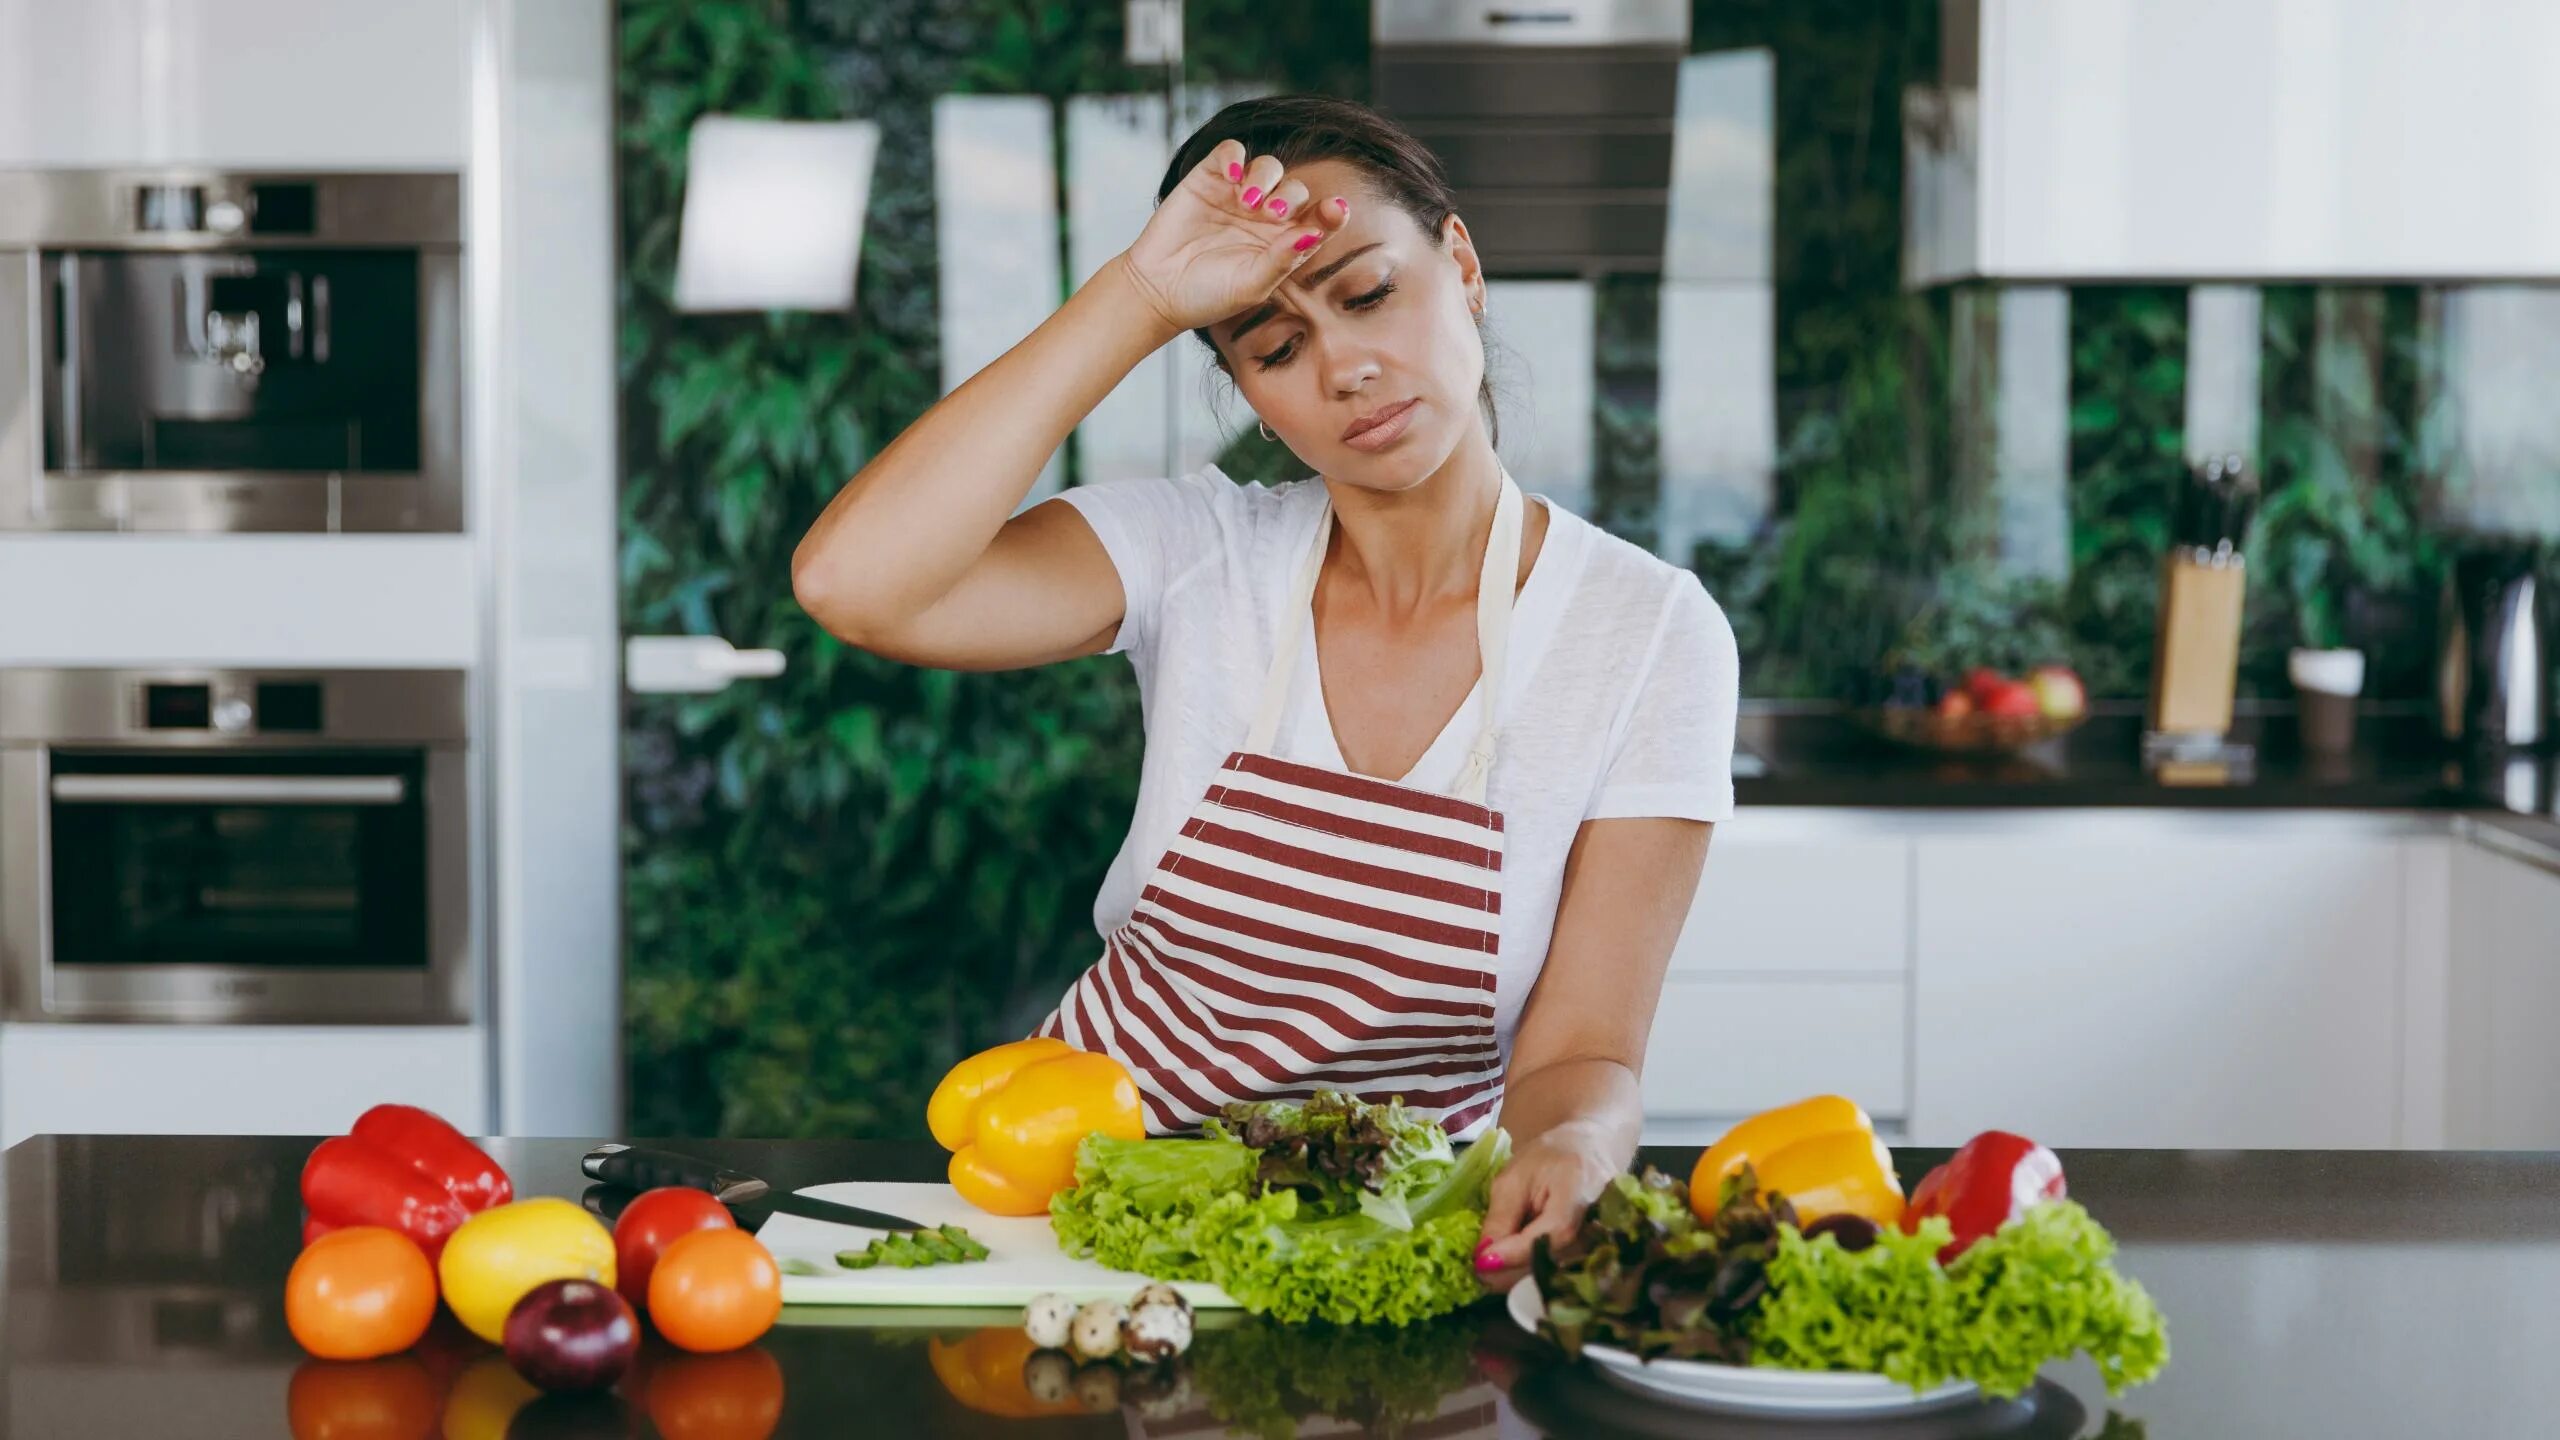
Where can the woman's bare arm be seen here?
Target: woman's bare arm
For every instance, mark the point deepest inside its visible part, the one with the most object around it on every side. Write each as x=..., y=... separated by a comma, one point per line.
x=921, y=557
x=1571, y=1103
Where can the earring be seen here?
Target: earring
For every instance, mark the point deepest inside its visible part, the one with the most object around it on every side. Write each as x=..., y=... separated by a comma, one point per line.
x=1265, y=428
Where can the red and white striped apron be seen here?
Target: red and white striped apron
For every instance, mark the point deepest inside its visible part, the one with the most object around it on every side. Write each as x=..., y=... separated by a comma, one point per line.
x=1311, y=929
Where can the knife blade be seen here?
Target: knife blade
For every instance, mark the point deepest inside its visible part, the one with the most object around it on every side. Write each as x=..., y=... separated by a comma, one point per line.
x=638, y=1168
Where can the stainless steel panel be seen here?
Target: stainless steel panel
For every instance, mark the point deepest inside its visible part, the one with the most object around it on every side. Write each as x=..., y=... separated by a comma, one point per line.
x=229, y=789
x=359, y=707
x=60, y=209
x=1529, y=22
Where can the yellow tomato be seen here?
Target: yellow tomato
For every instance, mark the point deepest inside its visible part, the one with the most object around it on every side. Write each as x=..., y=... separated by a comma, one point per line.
x=502, y=1252
x=956, y=1098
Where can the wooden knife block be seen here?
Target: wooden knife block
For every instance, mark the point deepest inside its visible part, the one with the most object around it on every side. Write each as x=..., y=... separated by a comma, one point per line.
x=2196, y=665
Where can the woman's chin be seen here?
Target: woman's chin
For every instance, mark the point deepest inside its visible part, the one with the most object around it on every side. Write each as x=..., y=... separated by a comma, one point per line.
x=1416, y=456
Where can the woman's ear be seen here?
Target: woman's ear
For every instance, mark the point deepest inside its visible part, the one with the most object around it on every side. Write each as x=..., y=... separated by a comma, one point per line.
x=1461, y=247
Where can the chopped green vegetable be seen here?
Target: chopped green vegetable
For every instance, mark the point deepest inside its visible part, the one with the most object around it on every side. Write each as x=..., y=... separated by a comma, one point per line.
x=797, y=1266
x=1348, y=1253
x=2039, y=1289
x=947, y=1245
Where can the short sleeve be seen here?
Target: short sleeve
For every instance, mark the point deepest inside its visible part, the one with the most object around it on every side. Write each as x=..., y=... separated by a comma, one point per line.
x=1672, y=755
x=1155, y=532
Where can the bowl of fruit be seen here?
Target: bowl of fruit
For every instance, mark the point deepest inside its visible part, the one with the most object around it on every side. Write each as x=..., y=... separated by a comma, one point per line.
x=1981, y=712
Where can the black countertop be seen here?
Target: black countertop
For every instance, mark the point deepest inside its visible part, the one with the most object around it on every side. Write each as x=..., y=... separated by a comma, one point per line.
x=1817, y=757
x=2308, y=1294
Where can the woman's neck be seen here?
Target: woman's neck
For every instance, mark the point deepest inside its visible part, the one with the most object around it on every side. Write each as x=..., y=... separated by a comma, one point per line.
x=1414, y=548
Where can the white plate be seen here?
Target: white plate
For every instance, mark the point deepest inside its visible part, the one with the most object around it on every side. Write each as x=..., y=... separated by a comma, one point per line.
x=1749, y=1390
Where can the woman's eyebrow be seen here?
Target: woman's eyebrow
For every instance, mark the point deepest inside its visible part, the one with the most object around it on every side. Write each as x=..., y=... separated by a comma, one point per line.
x=1313, y=279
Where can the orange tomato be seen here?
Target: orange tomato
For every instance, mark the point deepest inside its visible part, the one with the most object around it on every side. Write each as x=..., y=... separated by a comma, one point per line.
x=358, y=1293
x=393, y=1399
x=732, y=1396
x=714, y=1290
x=647, y=1225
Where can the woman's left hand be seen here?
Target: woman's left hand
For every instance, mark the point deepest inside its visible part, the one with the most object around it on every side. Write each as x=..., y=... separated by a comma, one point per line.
x=1543, y=1191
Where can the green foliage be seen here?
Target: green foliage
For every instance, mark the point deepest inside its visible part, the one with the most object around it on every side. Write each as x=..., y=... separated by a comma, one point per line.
x=2128, y=432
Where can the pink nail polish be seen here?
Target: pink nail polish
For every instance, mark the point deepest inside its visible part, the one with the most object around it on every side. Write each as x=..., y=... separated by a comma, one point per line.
x=1486, y=1260
x=1252, y=193
x=1341, y=205
x=1235, y=172
x=1308, y=240
x=1279, y=207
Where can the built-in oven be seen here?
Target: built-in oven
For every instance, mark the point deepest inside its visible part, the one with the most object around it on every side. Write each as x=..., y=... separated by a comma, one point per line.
x=196, y=350
x=227, y=846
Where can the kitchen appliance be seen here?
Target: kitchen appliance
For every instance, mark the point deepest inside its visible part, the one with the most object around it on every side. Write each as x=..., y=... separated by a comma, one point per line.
x=635, y=1168
x=1553, y=118
x=201, y=351
x=228, y=846
x=2494, y=670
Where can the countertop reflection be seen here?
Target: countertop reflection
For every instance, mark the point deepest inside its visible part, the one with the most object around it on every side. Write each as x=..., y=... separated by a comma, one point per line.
x=2309, y=1294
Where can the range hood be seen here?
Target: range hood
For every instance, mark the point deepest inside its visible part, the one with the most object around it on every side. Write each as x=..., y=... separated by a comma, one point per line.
x=1553, y=116
x=2190, y=140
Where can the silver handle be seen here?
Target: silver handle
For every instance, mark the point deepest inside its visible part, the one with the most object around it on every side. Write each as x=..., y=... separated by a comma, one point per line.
x=231, y=789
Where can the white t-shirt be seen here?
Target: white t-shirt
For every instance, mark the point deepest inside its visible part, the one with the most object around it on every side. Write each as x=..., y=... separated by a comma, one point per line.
x=1618, y=700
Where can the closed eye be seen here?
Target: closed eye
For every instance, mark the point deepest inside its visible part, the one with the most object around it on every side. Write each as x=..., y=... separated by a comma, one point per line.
x=1368, y=300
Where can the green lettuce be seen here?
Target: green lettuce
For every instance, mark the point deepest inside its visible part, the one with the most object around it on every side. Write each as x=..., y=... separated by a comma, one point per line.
x=1197, y=1210
x=2040, y=1289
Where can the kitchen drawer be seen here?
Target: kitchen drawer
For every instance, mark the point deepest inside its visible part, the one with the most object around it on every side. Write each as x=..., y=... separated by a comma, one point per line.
x=233, y=1079
x=1783, y=907
x=1724, y=1049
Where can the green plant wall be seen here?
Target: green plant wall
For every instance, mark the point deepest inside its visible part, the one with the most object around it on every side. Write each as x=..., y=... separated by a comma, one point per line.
x=841, y=880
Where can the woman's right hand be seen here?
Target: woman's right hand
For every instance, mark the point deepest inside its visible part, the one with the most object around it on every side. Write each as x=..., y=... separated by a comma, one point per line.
x=1226, y=237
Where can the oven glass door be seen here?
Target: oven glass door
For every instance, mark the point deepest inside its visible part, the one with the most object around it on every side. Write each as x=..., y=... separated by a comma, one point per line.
x=270, y=860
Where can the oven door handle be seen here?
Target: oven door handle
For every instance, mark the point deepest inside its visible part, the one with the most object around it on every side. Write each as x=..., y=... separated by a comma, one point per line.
x=230, y=789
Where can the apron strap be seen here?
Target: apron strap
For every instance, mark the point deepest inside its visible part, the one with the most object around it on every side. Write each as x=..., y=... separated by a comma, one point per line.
x=1494, y=598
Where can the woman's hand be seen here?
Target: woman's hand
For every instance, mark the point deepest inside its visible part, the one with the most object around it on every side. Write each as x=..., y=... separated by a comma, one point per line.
x=1225, y=238
x=1543, y=1191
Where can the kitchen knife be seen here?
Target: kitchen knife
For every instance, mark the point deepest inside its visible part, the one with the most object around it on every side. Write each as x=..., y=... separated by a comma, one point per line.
x=639, y=1169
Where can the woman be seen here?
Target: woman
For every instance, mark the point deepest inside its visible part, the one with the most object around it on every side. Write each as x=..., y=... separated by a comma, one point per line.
x=1430, y=771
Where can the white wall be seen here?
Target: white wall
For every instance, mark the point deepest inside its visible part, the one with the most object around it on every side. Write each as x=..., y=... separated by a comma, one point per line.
x=305, y=83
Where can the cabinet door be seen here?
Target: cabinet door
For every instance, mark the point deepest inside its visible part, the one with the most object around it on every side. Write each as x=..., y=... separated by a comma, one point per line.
x=2235, y=986
x=1785, y=894
x=2504, y=1091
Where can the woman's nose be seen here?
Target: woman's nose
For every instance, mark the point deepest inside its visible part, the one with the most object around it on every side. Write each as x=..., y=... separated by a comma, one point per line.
x=1350, y=370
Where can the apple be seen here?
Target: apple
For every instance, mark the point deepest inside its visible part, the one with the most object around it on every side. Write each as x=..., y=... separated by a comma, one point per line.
x=1982, y=682
x=1954, y=705
x=2013, y=700
x=2058, y=691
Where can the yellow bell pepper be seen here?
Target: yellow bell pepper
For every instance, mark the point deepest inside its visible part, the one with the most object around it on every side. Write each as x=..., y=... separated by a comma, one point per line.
x=1013, y=1116
x=1822, y=1154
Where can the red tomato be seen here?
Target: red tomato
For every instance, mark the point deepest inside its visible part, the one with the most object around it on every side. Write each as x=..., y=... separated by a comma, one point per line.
x=652, y=1221
x=736, y=1396
x=390, y=1399
x=358, y=1293
x=714, y=1290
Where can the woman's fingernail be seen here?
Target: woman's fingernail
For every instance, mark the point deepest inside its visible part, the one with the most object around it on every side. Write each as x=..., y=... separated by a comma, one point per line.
x=1308, y=240
x=1341, y=206
x=1487, y=1260
x=1234, y=171
x=1279, y=207
x=1252, y=193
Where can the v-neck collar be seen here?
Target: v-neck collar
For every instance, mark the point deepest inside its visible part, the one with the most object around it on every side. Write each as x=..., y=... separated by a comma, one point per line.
x=1531, y=623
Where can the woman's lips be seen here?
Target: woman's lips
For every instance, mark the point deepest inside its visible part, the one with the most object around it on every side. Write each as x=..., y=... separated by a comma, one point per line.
x=1381, y=428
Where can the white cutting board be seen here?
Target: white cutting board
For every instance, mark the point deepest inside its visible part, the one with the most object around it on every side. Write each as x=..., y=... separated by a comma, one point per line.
x=1023, y=1259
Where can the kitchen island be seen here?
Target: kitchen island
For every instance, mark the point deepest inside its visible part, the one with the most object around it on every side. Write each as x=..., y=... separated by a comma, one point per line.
x=2309, y=1294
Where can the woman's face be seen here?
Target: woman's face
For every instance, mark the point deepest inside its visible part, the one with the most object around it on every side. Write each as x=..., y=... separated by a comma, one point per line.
x=1366, y=361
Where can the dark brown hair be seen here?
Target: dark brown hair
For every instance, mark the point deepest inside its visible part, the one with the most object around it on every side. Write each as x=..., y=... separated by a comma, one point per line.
x=1302, y=129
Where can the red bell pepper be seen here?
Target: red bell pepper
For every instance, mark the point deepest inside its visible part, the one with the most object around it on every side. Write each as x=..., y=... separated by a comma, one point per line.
x=1988, y=1183
x=402, y=1168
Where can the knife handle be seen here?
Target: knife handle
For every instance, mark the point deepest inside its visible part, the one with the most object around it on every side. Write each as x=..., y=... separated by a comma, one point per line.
x=635, y=1168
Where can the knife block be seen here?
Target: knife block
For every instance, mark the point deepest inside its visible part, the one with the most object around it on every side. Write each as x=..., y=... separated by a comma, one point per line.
x=2195, y=665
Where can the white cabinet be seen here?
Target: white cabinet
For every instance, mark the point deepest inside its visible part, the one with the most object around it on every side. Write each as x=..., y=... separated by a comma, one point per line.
x=2192, y=980
x=1788, y=979
x=2503, y=1089
x=233, y=1080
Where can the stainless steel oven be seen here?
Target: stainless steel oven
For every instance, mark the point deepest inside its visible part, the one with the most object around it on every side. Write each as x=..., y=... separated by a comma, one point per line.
x=196, y=350
x=225, y=846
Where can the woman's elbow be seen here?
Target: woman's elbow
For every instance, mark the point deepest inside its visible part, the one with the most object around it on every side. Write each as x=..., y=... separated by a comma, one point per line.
x=819, y=589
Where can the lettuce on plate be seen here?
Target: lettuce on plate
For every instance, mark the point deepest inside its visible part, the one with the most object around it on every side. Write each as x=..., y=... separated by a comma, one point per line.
x=1373, y=1219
